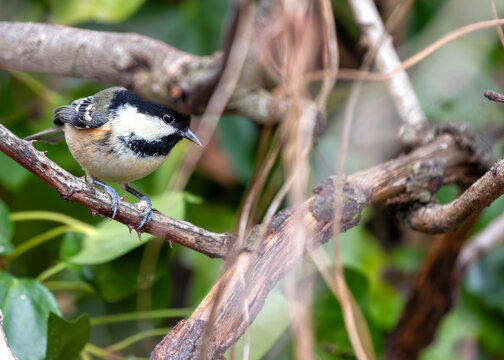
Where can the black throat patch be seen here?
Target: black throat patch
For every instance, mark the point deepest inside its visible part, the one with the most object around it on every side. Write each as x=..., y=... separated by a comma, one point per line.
x=143, y=148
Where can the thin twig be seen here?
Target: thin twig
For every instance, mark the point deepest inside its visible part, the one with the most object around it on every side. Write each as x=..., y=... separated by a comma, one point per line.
x=496, y=16
x=493, y=96
x=331, y=53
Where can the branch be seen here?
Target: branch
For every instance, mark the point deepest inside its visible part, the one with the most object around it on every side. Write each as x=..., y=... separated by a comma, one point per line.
x=449, y=217
x=150, y=67
x=71, y=188
x=375, y=36
x=277, y=255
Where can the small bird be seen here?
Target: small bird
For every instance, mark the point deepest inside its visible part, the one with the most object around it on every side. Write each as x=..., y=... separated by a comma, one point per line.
x=118, y=137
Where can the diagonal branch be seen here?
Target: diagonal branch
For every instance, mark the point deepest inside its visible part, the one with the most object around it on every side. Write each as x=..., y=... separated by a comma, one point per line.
x=276, y=255
x=71, y=188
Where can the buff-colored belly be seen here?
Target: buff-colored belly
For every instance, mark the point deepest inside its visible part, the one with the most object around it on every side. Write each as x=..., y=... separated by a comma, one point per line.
x=100, y=160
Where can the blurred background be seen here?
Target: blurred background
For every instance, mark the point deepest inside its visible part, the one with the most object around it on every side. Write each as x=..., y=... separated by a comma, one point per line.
x=94, y=266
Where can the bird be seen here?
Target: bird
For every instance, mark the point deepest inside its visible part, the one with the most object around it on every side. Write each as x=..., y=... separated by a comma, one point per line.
x=118, y=137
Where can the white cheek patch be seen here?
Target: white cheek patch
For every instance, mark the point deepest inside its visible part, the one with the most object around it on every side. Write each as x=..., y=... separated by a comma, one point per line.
x=128, y=120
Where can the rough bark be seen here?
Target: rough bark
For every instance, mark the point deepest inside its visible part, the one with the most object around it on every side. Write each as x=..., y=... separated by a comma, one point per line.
x=153, y=69
x=276, y=255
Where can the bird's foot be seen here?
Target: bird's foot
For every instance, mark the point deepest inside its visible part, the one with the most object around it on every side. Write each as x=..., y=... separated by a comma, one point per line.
x=145, y=206
x=114, y=196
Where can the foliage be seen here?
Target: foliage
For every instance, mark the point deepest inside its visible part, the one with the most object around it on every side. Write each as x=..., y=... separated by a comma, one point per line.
x=71, y=283
x=26, y=305
x=66, y=339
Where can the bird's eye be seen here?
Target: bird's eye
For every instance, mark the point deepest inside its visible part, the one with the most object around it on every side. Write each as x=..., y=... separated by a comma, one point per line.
x=167, y=118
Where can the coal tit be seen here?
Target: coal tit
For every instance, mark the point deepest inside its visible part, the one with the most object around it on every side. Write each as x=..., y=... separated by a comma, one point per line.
x=118, y=137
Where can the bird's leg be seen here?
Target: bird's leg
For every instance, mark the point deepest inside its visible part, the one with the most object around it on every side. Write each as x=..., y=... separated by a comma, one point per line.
x=112, y=193
x=147, y=213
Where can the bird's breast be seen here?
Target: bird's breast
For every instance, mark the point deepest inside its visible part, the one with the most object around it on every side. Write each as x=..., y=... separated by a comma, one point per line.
x=105, y=157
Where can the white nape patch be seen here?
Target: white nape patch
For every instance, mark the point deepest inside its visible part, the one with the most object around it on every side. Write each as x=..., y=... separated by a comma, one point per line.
x=128, y=120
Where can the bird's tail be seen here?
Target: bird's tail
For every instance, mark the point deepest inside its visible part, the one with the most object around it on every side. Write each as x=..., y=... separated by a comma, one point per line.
x=52, y=135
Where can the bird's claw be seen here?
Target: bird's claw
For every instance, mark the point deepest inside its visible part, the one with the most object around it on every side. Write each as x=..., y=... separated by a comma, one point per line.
x=114, y=196
x=144, y=203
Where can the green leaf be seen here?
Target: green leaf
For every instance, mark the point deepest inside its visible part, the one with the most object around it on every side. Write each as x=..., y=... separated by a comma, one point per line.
x=331, y=334
x=384, y=305
x=360, y=251
x=112, y=239
x=71, y=245
x=107, y=11
x=5, y=230
x=26, y=305
x=66, y=339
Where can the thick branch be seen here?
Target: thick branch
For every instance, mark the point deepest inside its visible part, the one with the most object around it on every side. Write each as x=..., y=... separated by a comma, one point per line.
x=277, y=255
x=71, y=188
x=150, y=67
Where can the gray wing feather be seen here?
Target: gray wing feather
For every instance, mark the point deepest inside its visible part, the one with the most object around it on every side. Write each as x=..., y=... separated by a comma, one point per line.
x=81, y=114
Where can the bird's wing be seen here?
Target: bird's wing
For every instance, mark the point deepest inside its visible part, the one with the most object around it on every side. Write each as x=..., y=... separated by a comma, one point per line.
x=81, y=114
x=52, y=135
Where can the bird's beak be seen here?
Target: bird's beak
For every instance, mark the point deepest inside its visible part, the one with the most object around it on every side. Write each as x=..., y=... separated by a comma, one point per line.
x=189, y=135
